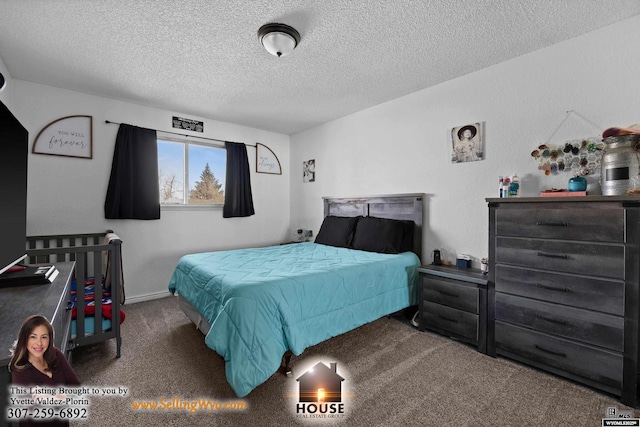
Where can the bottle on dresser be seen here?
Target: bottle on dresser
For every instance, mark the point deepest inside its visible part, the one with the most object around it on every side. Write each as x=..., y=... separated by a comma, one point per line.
x=514, y=186
x=505, y=186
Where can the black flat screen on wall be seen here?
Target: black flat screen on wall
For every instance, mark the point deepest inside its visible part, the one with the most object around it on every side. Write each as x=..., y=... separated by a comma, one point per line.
x=14, y=142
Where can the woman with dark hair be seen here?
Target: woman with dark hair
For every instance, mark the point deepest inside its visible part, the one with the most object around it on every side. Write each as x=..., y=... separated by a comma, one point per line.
x=36, y=362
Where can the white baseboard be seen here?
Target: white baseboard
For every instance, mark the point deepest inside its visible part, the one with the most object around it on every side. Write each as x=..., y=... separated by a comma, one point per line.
x=148, y=297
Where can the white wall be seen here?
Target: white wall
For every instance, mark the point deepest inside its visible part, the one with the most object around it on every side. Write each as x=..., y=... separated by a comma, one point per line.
x=403, y=146
x=66, y=195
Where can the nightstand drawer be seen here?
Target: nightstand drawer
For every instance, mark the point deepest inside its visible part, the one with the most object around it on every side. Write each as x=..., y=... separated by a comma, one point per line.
x=594, y=224
x=449, y=292
x=590, y=327
x=601, y=366
x=446, y=319
x=570, y=257
x=602, y=295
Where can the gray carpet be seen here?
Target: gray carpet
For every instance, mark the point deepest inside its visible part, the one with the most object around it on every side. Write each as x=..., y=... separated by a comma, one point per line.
x=394, y=375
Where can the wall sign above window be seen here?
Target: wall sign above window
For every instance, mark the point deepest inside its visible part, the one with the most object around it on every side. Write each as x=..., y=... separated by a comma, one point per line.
x=69, y=136
x=188, y=124
x=266, y=160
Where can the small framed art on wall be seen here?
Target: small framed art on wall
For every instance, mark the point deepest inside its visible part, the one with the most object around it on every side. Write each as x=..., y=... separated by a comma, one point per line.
x=467, y=143
x=309, y=171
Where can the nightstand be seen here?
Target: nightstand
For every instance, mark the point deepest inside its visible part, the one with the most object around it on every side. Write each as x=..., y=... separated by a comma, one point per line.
x=453, y=302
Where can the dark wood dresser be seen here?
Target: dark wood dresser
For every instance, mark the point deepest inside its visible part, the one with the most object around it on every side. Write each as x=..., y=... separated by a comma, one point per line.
x=18, y=303
x=453, y=302
x=564, y=288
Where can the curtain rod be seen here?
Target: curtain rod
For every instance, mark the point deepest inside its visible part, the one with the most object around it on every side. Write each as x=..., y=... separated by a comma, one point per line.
x=185, y=135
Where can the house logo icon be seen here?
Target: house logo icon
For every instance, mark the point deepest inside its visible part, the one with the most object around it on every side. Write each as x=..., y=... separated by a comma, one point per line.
x=320, y=393
x=320, y=384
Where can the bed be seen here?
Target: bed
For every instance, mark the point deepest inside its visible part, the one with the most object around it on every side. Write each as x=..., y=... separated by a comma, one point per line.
x=97, y=287
x=255, y=305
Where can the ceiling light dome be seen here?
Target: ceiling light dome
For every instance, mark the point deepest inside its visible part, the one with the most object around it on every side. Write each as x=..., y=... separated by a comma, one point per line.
x=278, y=39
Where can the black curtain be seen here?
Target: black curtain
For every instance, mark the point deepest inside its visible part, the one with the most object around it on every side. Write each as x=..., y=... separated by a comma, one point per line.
x=133, y=191
x=238, y=200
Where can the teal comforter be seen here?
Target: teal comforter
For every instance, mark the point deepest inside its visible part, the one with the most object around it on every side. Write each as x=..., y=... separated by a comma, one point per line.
x=261, y=302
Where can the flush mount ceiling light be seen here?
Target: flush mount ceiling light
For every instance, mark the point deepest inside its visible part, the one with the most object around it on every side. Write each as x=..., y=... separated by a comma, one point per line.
x=278, y=39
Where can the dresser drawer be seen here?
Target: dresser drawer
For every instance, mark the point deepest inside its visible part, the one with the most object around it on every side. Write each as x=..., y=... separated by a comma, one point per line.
x=446, y=319
x=586, y=223
x=589, y=327
x=601, y=366
x=449, y=292
x=604, y=260
x=602, y=295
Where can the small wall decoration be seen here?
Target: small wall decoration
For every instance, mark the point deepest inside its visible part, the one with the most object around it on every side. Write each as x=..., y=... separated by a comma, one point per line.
x=188, y=124
x=266, y=160
x=466, y=143
x=580, y=157
x=309, y=171
x=68, y=136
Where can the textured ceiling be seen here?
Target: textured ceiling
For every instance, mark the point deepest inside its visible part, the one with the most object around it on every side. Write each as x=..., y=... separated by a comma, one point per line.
x=202, y=57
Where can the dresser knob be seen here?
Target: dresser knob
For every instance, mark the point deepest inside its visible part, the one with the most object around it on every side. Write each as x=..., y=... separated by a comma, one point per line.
x=548, y=255
x=449, y=294
x=555, y=353
x=551, y=288
x=448, y=319
x=551, y=320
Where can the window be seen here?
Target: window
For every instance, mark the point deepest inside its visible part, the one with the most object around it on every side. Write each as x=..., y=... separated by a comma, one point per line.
x=190, y=173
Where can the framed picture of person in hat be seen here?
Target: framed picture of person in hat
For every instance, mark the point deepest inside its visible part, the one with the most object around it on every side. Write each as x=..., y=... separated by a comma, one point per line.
x=467, y=143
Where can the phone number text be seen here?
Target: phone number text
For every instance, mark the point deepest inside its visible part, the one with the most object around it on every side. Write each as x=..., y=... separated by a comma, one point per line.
x=47, y=413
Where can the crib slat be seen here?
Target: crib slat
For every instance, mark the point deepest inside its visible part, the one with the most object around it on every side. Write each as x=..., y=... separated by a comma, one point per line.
x=116, y=273
x=97, y=275
x=80, y=275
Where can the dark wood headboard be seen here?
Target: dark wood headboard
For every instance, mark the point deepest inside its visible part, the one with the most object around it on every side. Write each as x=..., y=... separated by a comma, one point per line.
x=393, y=206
